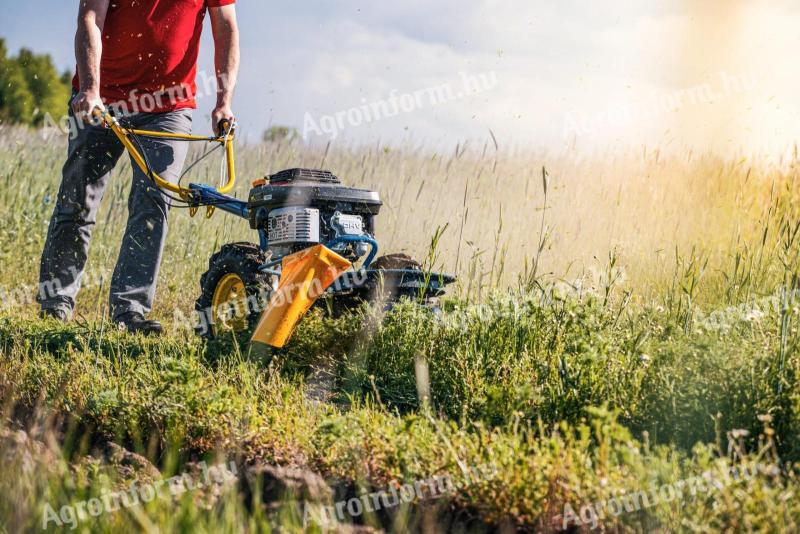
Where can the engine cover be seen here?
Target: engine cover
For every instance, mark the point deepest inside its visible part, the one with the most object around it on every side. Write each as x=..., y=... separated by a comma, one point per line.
x=296, y=207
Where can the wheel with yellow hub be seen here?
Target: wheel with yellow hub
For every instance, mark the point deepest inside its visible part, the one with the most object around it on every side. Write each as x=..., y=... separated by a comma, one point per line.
x=234, y=291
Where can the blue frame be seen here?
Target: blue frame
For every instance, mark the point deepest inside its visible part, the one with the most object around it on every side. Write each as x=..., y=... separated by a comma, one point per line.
x=357, y=239
x=208, y=196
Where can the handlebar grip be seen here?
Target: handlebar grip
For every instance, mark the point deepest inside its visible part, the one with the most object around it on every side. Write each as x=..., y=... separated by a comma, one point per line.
x=98, y=114
x=225, y=126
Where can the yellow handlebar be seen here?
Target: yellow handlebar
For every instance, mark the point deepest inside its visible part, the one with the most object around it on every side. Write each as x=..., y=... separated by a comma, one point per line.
x=123, y=135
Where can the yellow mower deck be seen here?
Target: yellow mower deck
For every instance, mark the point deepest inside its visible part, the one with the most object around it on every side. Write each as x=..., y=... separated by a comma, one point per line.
x=305, y=276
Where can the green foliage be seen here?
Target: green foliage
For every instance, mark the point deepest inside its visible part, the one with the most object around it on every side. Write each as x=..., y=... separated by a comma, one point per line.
x=30, y=87
x=539, y=357
x=170, y=406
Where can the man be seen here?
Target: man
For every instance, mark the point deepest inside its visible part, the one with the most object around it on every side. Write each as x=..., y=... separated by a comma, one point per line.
x=139, y=57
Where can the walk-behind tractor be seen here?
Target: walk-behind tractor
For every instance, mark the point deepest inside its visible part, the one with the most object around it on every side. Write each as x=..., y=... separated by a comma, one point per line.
x=316, y=246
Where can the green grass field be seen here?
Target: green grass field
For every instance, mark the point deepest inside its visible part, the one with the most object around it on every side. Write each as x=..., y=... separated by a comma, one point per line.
x=620, y=354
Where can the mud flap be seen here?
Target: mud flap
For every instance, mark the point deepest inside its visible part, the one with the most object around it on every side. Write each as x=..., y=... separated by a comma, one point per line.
x=305, y=276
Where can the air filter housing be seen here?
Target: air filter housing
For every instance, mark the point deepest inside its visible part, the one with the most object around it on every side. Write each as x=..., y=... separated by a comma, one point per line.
x=303, y=175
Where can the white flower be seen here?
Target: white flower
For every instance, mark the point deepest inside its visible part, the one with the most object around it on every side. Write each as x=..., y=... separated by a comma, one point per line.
x=753, y=315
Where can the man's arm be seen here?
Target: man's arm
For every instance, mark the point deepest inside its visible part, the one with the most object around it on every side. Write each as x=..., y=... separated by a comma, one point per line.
x=88, y=51
x=226, y=59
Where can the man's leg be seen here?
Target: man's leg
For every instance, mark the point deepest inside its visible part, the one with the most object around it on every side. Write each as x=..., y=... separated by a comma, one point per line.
x=133, y=284
x=92, y=153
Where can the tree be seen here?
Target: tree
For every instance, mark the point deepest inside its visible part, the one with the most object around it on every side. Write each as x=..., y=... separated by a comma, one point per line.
x=47, y=88
x=30, y=87
x=280, y=133
x=15, y=98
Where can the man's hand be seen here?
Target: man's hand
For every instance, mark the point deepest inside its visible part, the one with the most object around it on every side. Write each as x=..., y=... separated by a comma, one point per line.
x=221, y=112
x=85, y=103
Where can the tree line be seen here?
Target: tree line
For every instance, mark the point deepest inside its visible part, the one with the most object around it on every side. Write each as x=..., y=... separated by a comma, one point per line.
x=31, y=87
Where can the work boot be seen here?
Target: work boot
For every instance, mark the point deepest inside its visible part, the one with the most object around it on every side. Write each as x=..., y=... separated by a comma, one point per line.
x=135, y=323
x=58, y=314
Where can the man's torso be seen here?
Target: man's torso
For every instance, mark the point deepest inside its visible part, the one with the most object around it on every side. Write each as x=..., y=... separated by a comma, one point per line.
x=150, y=50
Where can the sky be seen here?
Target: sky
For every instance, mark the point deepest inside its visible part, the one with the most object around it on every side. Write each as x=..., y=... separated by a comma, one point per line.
x=711, y=74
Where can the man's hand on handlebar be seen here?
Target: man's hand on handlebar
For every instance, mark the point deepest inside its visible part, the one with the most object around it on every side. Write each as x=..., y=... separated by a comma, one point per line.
x=219, y=116
x=85, y=103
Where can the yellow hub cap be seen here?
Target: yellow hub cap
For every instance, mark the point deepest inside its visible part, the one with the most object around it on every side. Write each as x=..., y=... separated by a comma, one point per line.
x=229, y=304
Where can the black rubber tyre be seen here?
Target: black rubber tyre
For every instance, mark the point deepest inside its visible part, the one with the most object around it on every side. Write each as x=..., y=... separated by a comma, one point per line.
x=242, y=260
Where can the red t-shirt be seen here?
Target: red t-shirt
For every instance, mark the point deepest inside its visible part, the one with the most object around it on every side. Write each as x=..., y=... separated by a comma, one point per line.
x=150, y=50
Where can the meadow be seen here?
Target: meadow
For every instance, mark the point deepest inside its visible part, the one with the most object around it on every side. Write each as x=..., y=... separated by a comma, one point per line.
x=620, y=354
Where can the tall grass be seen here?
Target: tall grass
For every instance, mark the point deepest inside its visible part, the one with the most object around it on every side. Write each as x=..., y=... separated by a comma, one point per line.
x=622, y=320
x=642, y=205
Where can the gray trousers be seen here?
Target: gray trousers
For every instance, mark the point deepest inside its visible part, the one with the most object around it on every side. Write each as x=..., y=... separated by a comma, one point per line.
x=92, y=154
